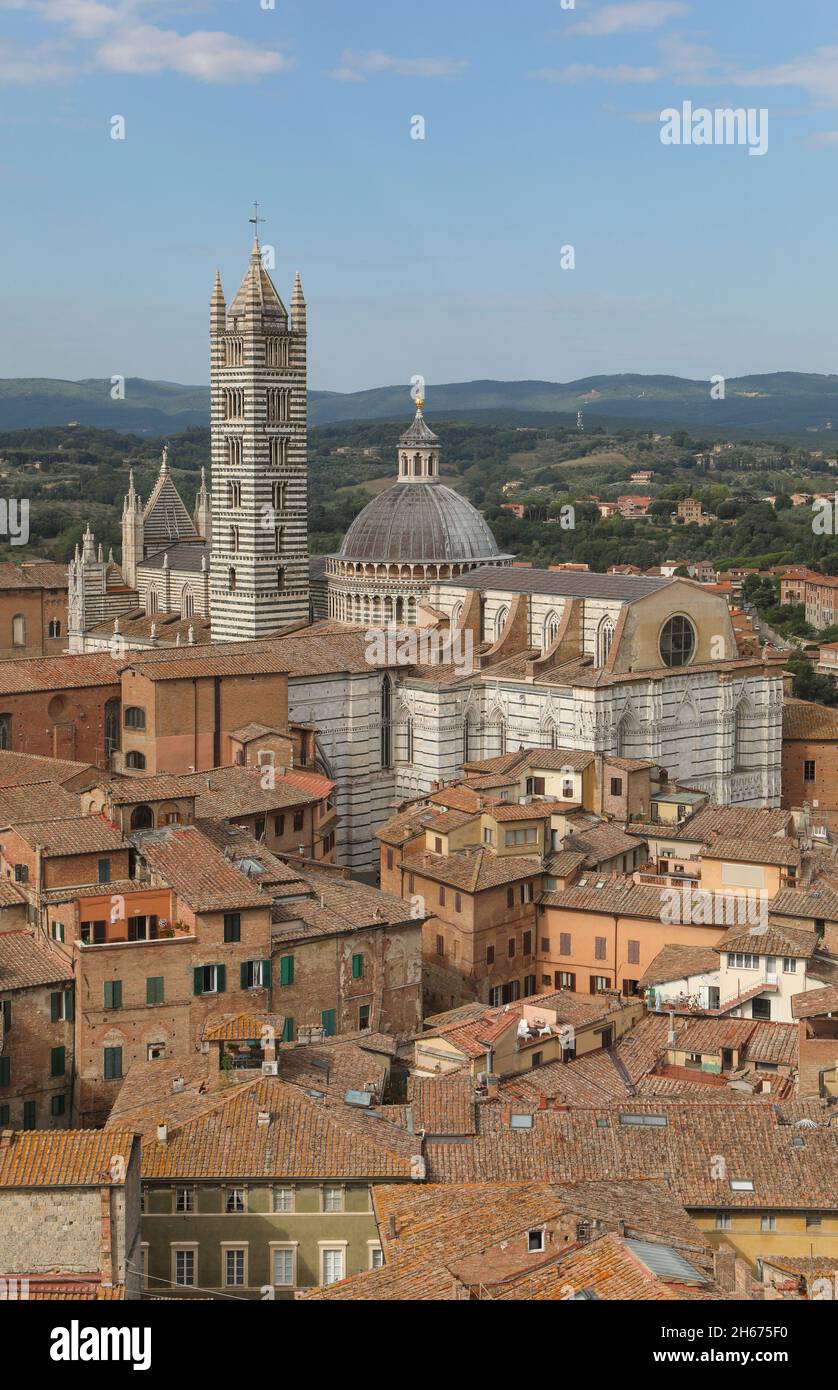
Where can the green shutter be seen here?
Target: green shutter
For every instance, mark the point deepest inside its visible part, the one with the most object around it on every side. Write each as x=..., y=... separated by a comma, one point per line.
x=245, y=971
x=5, y=1071
x=154, y=992
x=57, y=1064
x=55, y=1006
x=266, y=974
x=198, y=979
x=288, y=1030
x=69, y=1005
x=286, y=970
x=357, y=967
x=327, y=1019
x=221, y=978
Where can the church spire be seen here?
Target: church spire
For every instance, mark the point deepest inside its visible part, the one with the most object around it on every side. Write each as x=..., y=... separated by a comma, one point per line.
x=298, y=306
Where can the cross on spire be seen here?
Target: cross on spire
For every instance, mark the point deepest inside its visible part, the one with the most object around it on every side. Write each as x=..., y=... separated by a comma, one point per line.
x=256, y=219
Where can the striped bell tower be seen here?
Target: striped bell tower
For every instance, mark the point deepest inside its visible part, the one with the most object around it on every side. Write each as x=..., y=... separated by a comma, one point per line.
x=259, y=575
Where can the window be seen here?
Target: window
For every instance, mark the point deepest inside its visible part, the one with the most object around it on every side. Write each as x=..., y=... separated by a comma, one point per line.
x=723, y=1222
x=255, y=974
x=5, y=731
x=61, y=1008
x=57, y=1061
x=741, y=1185
x=364, y=1016
x=440, y=945
x=490, y=955
x=535, y=786
x=333, y=1261
x=376, y=1257
x=54, y=628
x=279, y=825
x=112, y=1067
x=648, y=1121
x=739, y=960
x=184, y=1199
x=333, y=1199
x=357, y=966
x=386, y=730
x=234, y=1201
x=634, y=953
x=529, y=984
x=813, y=1220
x=526, y=944
x=760, y=1008
x=808, y=771
x=510, y=897
x=57, y=1105
x=286, y=970
x=564, y=979
x=30, y=1119
x=284, y=1198
x=441, y=888
x=458, y=903
x=328, y=1022
x=526, y=893
x=104, y=870
x=234, y=1268
x=5, y=1113
x=288, y=1030
x=232, y=926
x=567, y=788
x=564, y=944
x=283, y=1261
x=599, y=982
x=605, y=637
x=135, y=760
x=209, y=979
x=21, y=873
x=113, y=994
x=677, y=641
x=184, y=1268
x=510, y=947
x=616, y=786
x=768, y=1223
x=134, y=717
x=789, y=965
x=6, y=1012
x=231, y=580
x=298, y=820
x=600, y=947
x=535, y=1242
x=5, y=1071
x=18, y=630
x=154, y=989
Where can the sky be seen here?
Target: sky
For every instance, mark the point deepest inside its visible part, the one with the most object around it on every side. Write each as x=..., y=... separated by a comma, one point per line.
x=443, y=255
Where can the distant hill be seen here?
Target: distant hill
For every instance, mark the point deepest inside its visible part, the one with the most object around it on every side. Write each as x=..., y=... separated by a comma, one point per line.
x=782, y=403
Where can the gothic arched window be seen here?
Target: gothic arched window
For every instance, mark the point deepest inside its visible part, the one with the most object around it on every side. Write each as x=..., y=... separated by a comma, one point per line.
x=18, y=630
x=604, y=638
x=551, y=629
x=152, y=601
x=55, y=627
x=740, y=738
x=500, y=621
x=187, y=603
x=386, y=722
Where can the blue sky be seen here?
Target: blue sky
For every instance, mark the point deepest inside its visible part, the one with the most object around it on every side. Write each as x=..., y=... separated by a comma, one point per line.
x=439, y=256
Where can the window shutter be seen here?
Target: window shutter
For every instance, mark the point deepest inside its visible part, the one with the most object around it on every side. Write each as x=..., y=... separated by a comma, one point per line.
x=286, y=970
x=244, y=971
x=69, y=1005
x=221, y=978
x=55, y=1007
x=266, y=974
x=197, y=980
x=357, y=967
x=5, y=1071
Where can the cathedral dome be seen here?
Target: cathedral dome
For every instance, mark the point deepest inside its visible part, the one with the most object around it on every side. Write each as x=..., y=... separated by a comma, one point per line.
x=419, y=521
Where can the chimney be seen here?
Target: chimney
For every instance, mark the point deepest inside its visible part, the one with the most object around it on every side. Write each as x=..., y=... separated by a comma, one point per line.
x=724, y=1268
x=162, y=1132
x=492, y=1088
x=391, y=1227
x=177, y=1085
x=105, y=1238
x=263, y=1119
x=6, y=1137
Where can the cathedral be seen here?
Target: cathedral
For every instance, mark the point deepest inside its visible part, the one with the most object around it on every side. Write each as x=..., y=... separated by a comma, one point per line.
x=638, y=667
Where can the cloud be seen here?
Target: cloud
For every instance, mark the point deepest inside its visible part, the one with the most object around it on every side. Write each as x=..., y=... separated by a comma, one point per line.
x=676, y=58
x=356, y=66
x=823, y=139
x=584, y=72
x=632, y=16
x=97, y=36
x=816, y=74
x=205, y=55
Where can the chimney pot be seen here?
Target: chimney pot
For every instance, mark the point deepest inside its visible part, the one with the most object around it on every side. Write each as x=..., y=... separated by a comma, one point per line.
x=162, y=1132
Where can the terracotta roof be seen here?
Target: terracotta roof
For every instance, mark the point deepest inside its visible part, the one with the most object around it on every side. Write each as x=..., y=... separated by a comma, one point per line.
x=61, y=1286
x=63, y=1157
x=27, y=769
x=10, y=894
x=163, y=786
x=80, y=835
x=457, y=797
x=474, y=869
x=242, y=1027
x=621, y=895
x=805, y=720
x=444, y=821
x=602, y=842
x=33, y=574
x=571, y=583
x=731, y=822
x=191, y=663
x=675, y=962
x=58, y=673
x=239, y=791
x=254, y=859
x=406, y=825
x=26, y=960
x=338, y=905
x=742, y=851
x=442, y=1104
x=198, y=871
x=561, y=865
x=534, y=810
x=305, y=1138
x=820, y=901
x=41, y=801
x=814, y=1002
x=609, y=1268
x=248, y=732
x=775, y=941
